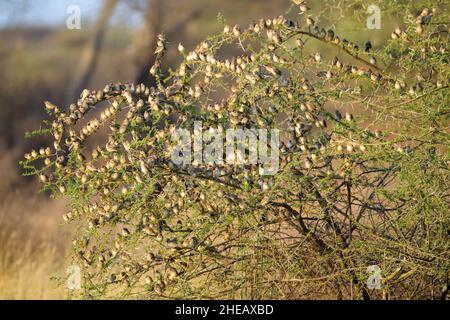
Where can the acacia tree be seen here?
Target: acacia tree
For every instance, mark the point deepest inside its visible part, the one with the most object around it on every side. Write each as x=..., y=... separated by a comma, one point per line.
x=354, y=188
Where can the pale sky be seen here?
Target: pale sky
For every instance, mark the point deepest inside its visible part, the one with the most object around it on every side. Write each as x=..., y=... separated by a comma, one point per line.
x=53, y=12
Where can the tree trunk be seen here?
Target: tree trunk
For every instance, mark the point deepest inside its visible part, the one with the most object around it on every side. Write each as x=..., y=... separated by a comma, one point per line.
x=144, y=56
x=146, y=42
x=89, y=57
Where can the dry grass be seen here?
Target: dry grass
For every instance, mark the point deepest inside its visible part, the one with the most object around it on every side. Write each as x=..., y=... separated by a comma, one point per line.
x=28, y=277
x=32, y=246
x=28, y=258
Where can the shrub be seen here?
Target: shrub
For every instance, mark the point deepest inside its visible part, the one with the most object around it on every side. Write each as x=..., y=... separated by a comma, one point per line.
x=353, y=191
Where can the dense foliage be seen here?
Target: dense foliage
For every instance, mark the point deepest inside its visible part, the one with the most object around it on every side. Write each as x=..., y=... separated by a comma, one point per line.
x=363, y=177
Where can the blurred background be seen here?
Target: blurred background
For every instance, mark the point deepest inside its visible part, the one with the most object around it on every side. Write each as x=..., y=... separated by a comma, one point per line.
x=42, y=59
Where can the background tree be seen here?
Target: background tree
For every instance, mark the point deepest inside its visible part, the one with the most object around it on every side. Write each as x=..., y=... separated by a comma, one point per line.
x=89, y=58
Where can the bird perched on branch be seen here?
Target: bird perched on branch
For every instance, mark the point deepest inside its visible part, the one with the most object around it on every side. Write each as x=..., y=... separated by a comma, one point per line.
x=367, y=46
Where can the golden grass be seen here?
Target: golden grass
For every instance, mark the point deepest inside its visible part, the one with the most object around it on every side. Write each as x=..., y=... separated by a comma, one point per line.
x=29, y=278
x=32, y=247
